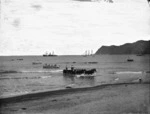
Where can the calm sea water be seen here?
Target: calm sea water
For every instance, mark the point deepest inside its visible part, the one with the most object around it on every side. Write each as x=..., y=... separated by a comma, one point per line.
x=24, y=77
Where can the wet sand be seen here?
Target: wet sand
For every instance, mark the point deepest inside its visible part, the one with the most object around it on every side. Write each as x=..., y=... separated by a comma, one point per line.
x=122, y=98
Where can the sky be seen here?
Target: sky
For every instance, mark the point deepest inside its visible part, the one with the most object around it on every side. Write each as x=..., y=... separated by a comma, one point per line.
x=32, y=27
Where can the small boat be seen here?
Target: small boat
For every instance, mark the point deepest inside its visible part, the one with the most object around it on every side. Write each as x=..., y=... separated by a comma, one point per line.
x=92, y=62
x=130, y=60
x=51, y=66
x=35, y=63
x=70, y=86
x=139, y=54
x=84, y=73
x=20, y=59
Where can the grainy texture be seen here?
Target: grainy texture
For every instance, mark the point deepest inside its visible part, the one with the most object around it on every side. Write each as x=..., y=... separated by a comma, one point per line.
x=113, y=99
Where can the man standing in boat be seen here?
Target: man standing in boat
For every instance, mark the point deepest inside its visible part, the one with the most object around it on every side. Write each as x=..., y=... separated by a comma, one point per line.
x=66, y=67
x=72, y=68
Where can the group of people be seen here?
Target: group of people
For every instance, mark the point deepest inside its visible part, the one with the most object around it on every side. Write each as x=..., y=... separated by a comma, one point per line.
x=78, y=71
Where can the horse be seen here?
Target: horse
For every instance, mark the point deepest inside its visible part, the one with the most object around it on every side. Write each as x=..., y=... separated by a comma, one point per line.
x=79, y=71
x=68, y=71
x=89, y=72
x=73, y=71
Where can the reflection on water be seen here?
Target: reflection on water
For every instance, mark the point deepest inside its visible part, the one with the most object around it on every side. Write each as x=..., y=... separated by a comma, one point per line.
x=80, y=81
x=68, y=79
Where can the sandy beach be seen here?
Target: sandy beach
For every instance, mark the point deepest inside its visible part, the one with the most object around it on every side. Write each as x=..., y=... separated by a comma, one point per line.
x=129, y=98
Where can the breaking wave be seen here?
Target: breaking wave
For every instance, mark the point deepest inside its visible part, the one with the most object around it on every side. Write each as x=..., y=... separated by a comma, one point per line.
x=42, y=71
x=130, y=72
x=33, y=77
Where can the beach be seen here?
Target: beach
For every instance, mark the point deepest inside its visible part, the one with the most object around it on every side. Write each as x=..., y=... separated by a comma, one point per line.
x=115, y=89
x=74, y=30
x=127, y=98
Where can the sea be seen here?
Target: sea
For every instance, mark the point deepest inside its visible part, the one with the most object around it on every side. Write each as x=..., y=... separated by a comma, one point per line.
x=20, y=75
x=35, y=26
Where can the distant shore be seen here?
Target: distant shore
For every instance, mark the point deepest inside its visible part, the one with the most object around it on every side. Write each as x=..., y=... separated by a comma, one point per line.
x=118, y=98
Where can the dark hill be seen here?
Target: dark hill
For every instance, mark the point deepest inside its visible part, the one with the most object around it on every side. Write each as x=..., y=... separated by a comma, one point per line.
x=139, y=47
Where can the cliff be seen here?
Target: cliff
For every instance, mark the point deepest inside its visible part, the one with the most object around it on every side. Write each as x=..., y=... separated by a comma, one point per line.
x=139, y=47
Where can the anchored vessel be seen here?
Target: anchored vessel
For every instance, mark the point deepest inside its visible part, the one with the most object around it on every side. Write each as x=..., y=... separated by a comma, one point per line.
x=130, y=60
x=88, y=53
x=49, y=55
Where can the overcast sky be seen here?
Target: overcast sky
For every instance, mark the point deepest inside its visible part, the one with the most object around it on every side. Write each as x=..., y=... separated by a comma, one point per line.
x=32, y=27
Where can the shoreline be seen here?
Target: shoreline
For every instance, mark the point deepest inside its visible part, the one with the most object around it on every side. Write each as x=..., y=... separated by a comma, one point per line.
x=121, y=98
x=42, y=94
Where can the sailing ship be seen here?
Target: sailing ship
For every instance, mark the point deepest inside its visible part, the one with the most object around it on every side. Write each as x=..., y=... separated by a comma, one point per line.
x=49, y=54
x=87, y=53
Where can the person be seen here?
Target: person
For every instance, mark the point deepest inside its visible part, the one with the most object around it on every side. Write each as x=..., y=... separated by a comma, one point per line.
x=66, y=67
x=148, y=2
x=140, y=80
x=72, y=68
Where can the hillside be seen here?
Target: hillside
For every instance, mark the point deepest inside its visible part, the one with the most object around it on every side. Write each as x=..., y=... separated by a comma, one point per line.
x=139, y=47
